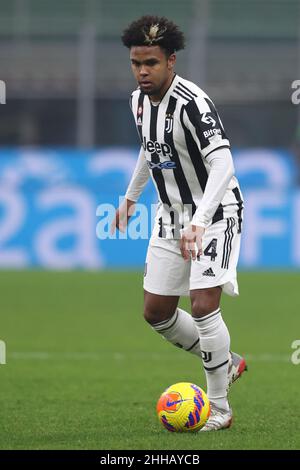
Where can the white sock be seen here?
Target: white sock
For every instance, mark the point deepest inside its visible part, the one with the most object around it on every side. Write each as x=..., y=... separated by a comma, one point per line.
x=215, y=344
x=180, y=330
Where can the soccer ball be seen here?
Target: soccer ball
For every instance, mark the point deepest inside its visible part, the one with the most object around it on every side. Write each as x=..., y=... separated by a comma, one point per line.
x=183, y=407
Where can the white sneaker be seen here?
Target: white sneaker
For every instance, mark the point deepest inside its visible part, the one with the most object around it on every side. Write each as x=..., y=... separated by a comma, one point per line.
x=218, y=419
x=237, y=366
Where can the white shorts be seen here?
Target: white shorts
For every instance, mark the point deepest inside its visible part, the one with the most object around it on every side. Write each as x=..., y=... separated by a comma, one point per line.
x=167, y=273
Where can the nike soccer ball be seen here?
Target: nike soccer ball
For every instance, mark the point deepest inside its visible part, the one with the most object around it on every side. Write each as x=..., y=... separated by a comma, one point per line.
x=183, y=407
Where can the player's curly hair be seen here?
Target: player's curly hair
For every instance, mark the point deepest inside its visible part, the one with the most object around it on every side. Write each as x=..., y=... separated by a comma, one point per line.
x=154, y=31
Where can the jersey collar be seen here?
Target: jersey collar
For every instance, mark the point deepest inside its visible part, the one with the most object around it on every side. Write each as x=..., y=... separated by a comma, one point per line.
x=168, y=91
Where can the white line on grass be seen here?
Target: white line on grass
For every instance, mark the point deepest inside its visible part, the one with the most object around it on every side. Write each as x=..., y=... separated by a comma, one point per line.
x=118, y=356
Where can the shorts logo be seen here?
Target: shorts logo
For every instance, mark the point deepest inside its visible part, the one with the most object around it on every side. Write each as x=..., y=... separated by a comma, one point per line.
x=209, y=272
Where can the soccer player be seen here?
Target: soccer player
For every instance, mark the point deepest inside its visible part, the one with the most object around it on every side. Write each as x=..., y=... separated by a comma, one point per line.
x=195, y=243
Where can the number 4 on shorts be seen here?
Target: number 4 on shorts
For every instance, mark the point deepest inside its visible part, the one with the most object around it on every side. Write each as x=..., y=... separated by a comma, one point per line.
x=211, y=250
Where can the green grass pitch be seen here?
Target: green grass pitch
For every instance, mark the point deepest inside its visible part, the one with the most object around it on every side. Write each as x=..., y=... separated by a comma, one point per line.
x=84, y=370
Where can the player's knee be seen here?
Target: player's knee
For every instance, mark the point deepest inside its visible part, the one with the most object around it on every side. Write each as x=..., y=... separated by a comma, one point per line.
x=148, y=315
x=154, y=315
x=151, y=315
x=202, y=307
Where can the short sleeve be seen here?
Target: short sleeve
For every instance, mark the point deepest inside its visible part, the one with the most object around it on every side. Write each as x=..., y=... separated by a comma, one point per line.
x=205, y=125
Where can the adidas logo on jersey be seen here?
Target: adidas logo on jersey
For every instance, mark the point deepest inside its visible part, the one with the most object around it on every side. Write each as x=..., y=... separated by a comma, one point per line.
x=153, y=147
x=209, y=272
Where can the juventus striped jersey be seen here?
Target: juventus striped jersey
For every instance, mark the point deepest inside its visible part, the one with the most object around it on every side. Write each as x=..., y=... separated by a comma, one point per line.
x=182, y=142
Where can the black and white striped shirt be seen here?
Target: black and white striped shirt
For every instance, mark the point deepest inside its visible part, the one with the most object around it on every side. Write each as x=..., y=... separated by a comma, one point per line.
x=178, y=137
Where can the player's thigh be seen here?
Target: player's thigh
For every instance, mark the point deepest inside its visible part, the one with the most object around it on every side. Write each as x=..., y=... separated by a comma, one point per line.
x=166, y=272
x=158, y=308
x=217, y=265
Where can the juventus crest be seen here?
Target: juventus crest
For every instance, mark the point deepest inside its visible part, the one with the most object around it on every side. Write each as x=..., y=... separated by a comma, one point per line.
x=169, y=123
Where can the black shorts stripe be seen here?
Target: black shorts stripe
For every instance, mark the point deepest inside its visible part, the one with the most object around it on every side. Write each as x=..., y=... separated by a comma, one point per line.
x=238, y=196
x=231, y=235
x=227, y=243
x=225, y=246
x=195, y=154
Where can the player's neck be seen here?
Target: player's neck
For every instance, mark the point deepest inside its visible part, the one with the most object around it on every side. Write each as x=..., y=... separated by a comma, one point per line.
x=156, y=99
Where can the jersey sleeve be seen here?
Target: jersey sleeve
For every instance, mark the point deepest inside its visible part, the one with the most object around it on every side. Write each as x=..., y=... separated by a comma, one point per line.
x=222, y=170
x=139, y=178
x=203, y=121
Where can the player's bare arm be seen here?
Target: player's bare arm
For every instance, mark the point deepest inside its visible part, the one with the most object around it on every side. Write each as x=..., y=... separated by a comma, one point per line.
x=122, y=216
x=136, y=186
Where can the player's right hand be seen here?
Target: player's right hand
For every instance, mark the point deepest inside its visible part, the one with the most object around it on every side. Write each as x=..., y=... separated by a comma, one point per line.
x=122, y=216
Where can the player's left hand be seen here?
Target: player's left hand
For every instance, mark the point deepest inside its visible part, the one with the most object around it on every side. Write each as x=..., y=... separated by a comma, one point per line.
x=191, y=242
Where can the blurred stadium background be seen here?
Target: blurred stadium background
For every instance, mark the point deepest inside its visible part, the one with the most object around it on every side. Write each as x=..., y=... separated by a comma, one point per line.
x=67, y=124
x=68, y=144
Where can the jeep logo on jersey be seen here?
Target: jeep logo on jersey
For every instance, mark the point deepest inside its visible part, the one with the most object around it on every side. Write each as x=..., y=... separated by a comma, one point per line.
x=161, y=165
x=156, y=147
x=208, y=119
x=211, y=132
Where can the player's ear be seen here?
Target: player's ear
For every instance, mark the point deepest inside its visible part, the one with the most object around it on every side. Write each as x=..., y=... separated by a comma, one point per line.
x=171, y=61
